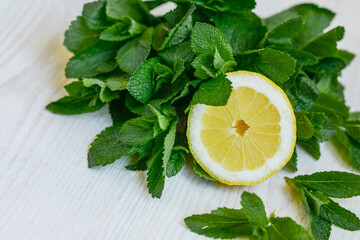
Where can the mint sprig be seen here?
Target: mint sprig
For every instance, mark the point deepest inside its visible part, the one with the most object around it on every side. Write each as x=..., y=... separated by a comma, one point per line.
x=151, y=70
x=316, y=191
x=250, y=221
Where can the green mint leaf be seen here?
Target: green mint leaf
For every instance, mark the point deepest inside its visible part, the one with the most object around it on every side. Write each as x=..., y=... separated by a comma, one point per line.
x=119, y=112
x=349, y=147
x=205, y=39
x=304, y=93
x=286, y=228
x=69, y=105
x=345, y=56
x=276, y=65
x=137, y=131
x=123, y=30
x=220, y=223
x=312, y=146
x=176, y=160
x=141, y=84
x=292, y=164
x=107, y=148
x=285, y=33
x=304, y=127
x=155, y=176
x=135, y=9
x=340, y=217
x=201, y=172
x=105, y=94
x=316, y=200
x=164, y=121
x=254, y=209
x=214, y=92
x=181, y=31
x=227, y=5
x=75, y=88
x=79, y=36
x=243, y=31
x=352, y=125
x=320, y=228
x=324, y=129
x=95, y=16
x=333, y=107
x=182, y=51
x=169, y=144
x=316, y=20
x=140, y=159
x=332, y=184
x=91, y=61
x=328, y=66
x=133, y=53
x=325, y=44
x=302, y=58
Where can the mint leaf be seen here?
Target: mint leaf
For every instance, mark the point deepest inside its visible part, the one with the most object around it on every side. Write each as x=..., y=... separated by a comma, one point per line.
x=91, y=61
x=324, y=128
x=119, y=112
x=254, y=209
x=312, y=146
x=332, y=184
x=214, y=92
x=286, y=228
x=123, y=30
x=285, y=33
x=69, y=105
x=292, y=164
x=320, y=228
x=316, y=20
x=79, y=36
x=141, y=84
x=304, y=93
x=325, y=44
x=133, y=53
x=107, y=148
x=169, y=144
x=176, y=160
x=155, y=176
x=220, y=223
x=276, y=65
x=181, y=31
x=340, y=217
x=352, y=125
x=135, y=9
x=105, y=94
x=182, y=51
x=201, y=172
x=227, y=5
x=206, y=38
x=350, y=146
x=304, y=127
x=243, y=30
x=137, y=131
x=334, y=108
x=95, y=16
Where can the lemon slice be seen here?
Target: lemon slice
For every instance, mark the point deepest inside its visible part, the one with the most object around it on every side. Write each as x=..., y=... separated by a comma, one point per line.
x=250, y=138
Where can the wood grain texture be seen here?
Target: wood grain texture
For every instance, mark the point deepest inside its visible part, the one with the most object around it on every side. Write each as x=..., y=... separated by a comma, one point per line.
x=46, y=189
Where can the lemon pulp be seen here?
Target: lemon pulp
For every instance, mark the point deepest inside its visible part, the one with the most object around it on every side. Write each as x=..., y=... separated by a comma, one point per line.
x=244, y=133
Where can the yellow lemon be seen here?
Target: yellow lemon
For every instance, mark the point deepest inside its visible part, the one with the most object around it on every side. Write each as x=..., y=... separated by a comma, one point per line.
x=250, y=138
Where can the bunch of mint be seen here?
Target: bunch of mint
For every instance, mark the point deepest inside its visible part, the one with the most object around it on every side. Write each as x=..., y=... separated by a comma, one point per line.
x=150, y=70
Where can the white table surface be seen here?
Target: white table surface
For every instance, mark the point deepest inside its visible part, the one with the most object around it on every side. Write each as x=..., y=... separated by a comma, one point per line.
x=46, y=189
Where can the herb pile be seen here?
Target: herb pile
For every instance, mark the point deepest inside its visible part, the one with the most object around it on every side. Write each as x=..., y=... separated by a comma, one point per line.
x=151, y=70
x=251, y=221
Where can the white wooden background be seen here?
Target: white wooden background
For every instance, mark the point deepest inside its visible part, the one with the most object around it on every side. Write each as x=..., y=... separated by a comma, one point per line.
x=46, y=189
